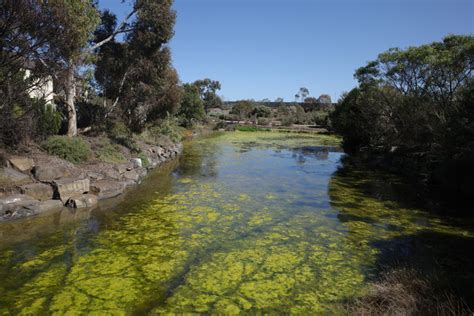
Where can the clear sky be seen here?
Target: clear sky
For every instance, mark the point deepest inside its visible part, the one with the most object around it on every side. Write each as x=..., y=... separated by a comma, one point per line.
x=269, y=48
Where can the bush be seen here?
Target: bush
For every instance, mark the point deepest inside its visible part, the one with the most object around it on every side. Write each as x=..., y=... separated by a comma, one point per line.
x=263, y=121
x=170, y=128
x=120, y=134
x=111, y=153
x=73, y=149
x=49, y=120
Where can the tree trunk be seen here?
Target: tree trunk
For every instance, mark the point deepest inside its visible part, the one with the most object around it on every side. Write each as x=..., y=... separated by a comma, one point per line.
x=70, y=95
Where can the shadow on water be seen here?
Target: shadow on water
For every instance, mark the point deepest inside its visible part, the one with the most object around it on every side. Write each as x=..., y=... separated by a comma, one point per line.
x=387, y=212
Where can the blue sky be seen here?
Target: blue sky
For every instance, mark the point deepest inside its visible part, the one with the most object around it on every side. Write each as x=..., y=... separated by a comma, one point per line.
x=269, y=48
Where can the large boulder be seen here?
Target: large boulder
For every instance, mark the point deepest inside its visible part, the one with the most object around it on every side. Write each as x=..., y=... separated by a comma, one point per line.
x=132, y=175
x=22, y=164
x=136, y=162
x=50, y=205
x=13, y=205
x=81, y=201
x=105, y=189
x=66, y=188
x=39, y=191
x=49, y=173
x=10, y=177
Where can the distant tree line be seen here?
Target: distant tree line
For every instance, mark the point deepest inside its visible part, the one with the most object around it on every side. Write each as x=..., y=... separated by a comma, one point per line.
x=415, y=109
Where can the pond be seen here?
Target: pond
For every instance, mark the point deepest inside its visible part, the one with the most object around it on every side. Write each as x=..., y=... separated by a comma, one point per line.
x=243, y=223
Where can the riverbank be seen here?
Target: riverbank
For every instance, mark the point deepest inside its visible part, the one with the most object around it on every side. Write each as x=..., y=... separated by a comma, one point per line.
x=33, y=181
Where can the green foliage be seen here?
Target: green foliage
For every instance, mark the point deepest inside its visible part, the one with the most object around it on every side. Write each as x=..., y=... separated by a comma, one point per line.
x=411, y=108
x=192, y=107
x=73, y=149
x=243, y=109
x=208, y=91
x=251, y=128
x=119, y=133
x=169, y=127
x=262, y=111
x=110, y=153
x=49, y=120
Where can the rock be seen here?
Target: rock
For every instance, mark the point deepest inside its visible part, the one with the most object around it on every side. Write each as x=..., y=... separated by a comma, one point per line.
x=105, y=189
x=50, y=173
x=15, y=203
x=121, y=168
x=142, y=172
x=113, y=174
x=66, y=188
x=136, y=162
x=95, y=176
x=50, y=205
x=22, y=164
x=81, y=201
x=38, y=191
x=131, y=175
x=11, y=177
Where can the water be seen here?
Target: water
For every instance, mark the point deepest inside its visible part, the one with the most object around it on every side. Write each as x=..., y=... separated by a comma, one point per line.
x=243, y=223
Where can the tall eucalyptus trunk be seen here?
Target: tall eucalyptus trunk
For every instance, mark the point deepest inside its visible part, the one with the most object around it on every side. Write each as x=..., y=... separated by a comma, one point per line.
x=70, y=95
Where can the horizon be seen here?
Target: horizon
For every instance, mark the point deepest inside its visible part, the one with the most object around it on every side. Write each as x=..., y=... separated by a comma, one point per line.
x=259, y=51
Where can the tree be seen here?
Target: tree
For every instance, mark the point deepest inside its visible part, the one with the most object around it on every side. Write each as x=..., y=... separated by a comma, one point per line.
x=208, y=89
x=410, y=104
x=192, y=107
x=303, y=93
x=137, y=73
x=325, y=100
x=243, y=109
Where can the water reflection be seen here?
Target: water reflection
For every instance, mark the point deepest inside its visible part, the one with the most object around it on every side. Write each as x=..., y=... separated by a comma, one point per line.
x=240, y=225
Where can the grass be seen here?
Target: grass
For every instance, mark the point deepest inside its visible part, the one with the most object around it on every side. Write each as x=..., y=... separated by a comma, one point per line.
x=251, y=128
x=110, y=153
x=405, y=292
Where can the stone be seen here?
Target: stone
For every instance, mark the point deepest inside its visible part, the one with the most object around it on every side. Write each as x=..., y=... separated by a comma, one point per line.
x=66, y=188
x=105, y=189
x=39, y=191
x=121, y=168
x=131, y=175
x=136, y=162
x=113, y=174
x=81, y=201
x=22, y=164
x=15, y=203
x=142, y=172
x=11, y=177
x=49, y=173
x=50, y=205
x=95, y=176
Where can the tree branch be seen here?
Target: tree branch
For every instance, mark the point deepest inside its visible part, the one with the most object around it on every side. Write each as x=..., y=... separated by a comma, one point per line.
x=118, y=30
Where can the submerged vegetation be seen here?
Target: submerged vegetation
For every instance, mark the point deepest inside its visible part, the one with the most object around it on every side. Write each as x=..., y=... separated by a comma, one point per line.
x=217, y=239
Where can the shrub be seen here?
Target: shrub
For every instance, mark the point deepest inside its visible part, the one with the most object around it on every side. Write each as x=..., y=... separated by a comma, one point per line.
x=73, y=149
x=170, y=128
x=263, y=121
x=49, y=120
x=246, y=128
x=110, y=153
x=120, y=134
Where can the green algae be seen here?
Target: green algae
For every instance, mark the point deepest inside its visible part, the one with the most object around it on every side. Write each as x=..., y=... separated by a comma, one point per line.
x=241, y=227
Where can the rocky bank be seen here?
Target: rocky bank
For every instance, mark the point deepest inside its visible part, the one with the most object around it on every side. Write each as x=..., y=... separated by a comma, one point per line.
x=37, y=182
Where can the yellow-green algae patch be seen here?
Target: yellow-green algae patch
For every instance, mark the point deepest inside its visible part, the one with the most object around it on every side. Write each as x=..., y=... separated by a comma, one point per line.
x=244, y=227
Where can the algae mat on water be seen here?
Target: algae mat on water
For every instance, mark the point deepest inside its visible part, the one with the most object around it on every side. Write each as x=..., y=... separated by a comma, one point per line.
x=247, y=223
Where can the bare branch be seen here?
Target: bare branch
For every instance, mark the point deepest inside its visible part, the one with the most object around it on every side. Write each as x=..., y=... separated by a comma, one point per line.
x=118, y=30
